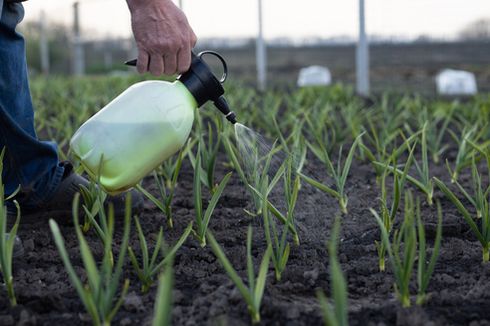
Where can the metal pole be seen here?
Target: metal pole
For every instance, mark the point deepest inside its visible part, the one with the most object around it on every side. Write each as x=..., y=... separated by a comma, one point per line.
x=181, y=4
x=261, y=55
x=78, y=55
x=362, y=55
x=108, y=62
x=43, y=44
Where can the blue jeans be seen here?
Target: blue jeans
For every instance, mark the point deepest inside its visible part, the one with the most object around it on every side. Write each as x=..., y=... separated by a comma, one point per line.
x=29, y=162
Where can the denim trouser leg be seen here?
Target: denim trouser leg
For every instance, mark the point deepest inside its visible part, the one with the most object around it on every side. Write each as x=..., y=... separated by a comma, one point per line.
x=29, y=162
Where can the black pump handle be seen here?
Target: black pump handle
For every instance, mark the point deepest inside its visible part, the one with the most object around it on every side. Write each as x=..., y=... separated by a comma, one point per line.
x=200, y=54
x=223, y=62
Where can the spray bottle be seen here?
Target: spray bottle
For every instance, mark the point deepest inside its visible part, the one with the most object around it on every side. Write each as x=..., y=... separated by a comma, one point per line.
x=146, y=124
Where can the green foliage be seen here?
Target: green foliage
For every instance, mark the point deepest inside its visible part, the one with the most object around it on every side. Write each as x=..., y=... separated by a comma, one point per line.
x=426, y=269
x=424, y=180
x=408, y=242
x=294, y=145
x=338, y=173
x=163, y=303
x=7, y=239
x=99, y=295
x=255, y=170
x=256, y=285
x=93, y=205
x=166, y=183
x=388, y=213
x=278, y=241
x=203, y=218
x=481, y=201
x=465, y=150
x=150, y=266
x=335, y=313
x=208, y=150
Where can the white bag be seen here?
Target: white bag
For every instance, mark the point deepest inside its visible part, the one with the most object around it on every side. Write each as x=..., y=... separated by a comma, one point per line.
x=456, y=82
x=314, y=76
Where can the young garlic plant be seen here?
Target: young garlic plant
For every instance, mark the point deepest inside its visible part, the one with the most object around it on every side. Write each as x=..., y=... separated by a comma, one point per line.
x=265, y=189
x=435, y=125
x=424, y=181
x=294, y=145
x=255, y=173
x=93, y=203
x=478, y=198
x=95, y=214
x=150, y=266
x=203, y=218
x=162, y=315
x=466, y=151
x=7, y=238
x=381, y=142
x=483, y=149
x=335, y=313
x=168, y=167
x=166, y=185
x=256, y=285
x=403, y=251
x=321, y=130
x=388, y=212
x=99, y=294
x=425, y=268
x=339, y=173
x=481, y=201
x=208, y=152
x=278, y=241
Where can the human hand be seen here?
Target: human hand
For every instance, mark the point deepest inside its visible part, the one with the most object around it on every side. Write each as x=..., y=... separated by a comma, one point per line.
x=163, y=36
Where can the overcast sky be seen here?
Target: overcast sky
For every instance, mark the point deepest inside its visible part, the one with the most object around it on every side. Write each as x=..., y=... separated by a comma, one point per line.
x=289, y=18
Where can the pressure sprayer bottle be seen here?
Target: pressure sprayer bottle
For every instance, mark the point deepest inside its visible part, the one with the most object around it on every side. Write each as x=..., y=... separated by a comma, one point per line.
x=146, y=124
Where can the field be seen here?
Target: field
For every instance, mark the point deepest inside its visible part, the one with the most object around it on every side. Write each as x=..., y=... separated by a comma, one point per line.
x=405, y=177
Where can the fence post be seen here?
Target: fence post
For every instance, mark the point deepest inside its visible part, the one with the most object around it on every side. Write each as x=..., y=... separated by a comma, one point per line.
x=78, y=54
x=261, y=55
x=43, y=44
x=362, y=55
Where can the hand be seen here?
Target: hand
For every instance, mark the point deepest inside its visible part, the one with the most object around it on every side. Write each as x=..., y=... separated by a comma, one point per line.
x=163, y=36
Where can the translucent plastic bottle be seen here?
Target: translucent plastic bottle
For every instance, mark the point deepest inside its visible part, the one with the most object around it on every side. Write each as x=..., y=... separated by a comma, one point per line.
x=146, y=124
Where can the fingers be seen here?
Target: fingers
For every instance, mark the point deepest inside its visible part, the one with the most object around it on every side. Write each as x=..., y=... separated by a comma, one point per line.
x=184, y=59
x=163, y=35
x=156, y=65
x=170, y=63
x=193, y=39
x=143, y=61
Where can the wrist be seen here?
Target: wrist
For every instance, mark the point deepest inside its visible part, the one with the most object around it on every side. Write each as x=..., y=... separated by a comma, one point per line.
x=135, y=5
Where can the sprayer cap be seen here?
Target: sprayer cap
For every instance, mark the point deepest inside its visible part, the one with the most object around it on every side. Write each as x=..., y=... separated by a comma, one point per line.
x=201, y=81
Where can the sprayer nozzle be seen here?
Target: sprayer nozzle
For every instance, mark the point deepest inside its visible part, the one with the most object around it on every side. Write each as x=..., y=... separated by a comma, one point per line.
x=231, y=117
x=222, y=105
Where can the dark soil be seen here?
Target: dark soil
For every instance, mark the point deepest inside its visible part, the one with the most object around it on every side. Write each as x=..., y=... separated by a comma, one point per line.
x=204, y=295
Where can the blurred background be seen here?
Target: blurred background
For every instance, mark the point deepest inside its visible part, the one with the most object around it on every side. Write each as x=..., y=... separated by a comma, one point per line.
x=375, y=45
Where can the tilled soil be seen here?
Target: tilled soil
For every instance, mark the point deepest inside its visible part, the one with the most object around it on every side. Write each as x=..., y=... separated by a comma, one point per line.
x=204, y=295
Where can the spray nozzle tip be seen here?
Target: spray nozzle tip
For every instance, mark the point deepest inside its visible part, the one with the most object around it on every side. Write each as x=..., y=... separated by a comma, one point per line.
x=231, y=117
x=222, y=105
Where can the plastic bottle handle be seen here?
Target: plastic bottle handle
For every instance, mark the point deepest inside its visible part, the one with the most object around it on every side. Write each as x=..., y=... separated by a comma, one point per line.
x=216, y=54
